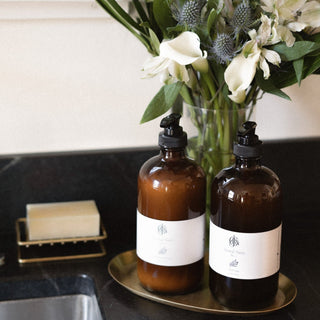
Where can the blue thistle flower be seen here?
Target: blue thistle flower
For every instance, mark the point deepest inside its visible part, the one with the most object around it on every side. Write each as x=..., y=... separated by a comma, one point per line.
x=222, y=48
x=242, y=18
x=189, y=14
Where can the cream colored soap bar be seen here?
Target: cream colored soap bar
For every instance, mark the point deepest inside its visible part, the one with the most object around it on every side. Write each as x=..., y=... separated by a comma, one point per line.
x=63, y=220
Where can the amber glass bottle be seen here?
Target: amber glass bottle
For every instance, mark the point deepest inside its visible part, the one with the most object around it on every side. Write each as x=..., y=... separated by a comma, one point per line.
x=171, y=216
x=245, y=228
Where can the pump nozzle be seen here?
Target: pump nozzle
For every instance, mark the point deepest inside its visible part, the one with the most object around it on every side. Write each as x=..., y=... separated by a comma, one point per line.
x=246, y=134
x=248, y=126
x=173, y=135
x=171, y=125
x=249, y=145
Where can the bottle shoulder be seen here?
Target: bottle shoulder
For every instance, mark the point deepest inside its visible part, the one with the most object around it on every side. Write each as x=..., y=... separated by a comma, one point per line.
x=158, y=167
x=259, y=175
x=246, y=200
x=242, y=180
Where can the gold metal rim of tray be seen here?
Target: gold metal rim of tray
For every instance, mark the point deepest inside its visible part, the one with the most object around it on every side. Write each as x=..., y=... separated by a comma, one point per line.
x=26, y=243
x=122, y=268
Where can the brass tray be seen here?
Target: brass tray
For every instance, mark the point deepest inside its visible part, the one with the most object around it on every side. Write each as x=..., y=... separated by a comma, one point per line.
x=30, y=251
x=123, y=270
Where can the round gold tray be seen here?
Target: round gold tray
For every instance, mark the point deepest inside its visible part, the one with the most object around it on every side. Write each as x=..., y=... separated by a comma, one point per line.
x=123, y=270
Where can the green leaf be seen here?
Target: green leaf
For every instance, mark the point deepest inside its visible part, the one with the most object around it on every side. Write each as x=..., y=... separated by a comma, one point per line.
x=176, y=29
x=315, y=37
x=119, y=13
x=287, y=75
x=162, y=101
x=297, y=51
x=163, y=15
x=112, y=7
x=184, y=92
x=213, y=4
x=218, y=71
x=284, y=77
x=140, y=10
x=298, y=68
x=154, y=41
x=152, y=21
x=211, y=19
x=311, y=65
x=269, y=86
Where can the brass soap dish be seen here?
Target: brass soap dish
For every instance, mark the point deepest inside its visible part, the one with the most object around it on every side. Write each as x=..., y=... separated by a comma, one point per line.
x=57, y=249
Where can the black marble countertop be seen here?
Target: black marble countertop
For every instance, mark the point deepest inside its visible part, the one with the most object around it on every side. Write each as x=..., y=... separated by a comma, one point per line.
x=109, y=177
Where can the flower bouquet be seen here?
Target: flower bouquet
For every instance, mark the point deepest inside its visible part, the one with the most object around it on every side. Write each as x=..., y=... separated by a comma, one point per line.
x=220, y=57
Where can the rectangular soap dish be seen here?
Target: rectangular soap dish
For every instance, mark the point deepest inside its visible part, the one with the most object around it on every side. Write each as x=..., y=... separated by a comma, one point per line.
x=57, y=249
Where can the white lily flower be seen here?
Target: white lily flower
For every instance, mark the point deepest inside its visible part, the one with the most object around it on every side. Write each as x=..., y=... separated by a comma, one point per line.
x=284, y=34
x=270, y=56
x=264, y=37
x=174, y=56
x=293, y=15
x=307, y=16
x=242, y=69
x=154, y=66
x=265, y=31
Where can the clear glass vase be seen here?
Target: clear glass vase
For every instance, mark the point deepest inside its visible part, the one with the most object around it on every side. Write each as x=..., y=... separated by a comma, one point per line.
x=211, y=135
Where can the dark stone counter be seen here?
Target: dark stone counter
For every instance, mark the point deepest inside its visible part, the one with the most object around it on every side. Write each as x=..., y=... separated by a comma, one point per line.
x=109, y=177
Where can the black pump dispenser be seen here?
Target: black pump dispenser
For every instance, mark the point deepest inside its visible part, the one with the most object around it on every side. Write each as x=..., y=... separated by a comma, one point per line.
x=249, y=145
x=173, y=135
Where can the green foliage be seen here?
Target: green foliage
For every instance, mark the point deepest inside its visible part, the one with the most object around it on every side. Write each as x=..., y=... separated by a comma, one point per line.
x=155, y=21
x=298, y=68
x=155, y=43
x=162, y=101
x=212, y=18
x=269, y=86
x=139, y=28
x=295, y=71
x=163, y=15
x=112, y=7
x=297, y=51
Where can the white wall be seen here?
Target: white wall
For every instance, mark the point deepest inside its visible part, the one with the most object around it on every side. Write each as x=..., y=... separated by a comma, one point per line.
x=70, y=80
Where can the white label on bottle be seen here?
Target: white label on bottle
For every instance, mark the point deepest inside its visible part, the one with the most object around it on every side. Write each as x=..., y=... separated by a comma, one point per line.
x=170, y=243
x=246, y=256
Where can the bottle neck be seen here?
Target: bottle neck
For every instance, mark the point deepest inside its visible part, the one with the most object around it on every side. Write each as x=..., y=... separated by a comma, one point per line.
x=251, y=163
x=172, y=153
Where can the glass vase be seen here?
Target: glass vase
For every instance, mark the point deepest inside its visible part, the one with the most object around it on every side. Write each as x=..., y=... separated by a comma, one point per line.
x=211, y=135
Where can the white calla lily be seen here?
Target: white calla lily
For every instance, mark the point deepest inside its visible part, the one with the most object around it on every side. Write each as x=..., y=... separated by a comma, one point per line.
x=241, y=71
x=184, y=49
x=174, y=56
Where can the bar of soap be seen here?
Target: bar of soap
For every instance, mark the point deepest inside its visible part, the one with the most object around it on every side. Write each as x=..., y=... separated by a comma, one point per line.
x=62, y=220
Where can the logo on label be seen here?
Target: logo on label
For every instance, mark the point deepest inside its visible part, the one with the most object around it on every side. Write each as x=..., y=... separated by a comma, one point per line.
x=163, y=250
x=233, y=241
x=162, y=229
x=234, y=263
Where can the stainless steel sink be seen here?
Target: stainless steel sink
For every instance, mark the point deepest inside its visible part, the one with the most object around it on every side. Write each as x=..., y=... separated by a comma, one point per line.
x=71, y=299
